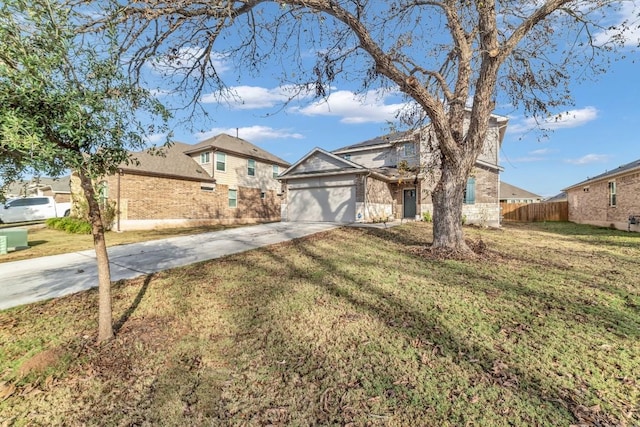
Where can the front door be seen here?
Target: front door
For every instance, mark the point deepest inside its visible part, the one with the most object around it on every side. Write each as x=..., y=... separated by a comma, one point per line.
x=409, y=203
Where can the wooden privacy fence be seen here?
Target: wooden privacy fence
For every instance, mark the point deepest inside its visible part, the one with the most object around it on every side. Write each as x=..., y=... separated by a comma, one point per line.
x=532, y=212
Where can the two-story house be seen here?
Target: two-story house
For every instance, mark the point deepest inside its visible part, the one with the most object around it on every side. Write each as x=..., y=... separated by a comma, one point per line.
x=387, y=177
x=221, y=180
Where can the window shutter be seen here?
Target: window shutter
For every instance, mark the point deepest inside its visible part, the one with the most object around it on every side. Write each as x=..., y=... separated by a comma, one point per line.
x=470, y=192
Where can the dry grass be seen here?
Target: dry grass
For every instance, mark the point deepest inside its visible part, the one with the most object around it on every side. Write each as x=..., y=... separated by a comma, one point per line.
x=349, y=327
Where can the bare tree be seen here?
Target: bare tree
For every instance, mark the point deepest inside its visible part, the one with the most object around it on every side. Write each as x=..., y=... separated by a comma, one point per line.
x=450, y=57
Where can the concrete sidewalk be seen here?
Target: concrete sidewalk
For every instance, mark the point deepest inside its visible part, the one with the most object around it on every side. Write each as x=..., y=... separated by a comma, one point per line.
x=27, y=281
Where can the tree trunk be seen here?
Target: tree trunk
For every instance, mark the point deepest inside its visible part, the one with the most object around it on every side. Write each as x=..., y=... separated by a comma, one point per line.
x=447, y=210
x=105, y=320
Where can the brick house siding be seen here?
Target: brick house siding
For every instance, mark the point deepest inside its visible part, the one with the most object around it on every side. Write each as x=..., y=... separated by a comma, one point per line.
x=145, y=201
x=176, y=190
x=589, y=201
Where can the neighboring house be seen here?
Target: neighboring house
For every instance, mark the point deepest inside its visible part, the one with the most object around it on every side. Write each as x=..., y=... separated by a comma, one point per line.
x=385, y=178
x=58, y=188
x=220, y=180
x=607, y=200
x=512, y=194
x=560, y=197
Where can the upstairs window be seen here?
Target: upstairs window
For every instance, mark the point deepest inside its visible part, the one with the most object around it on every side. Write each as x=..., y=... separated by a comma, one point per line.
x=251, y=167
x=409, y=149
x=221, y=162
x=612, y=193
x=470, y=191
x=205, y=157
x=276, y=171
x=347, y=157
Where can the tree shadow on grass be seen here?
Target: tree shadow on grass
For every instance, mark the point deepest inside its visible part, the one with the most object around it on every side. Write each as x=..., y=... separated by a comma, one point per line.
x=409, y=321
x=134, y=305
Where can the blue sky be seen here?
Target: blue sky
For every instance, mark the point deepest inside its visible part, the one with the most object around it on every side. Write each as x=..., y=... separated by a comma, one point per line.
x=597, y=134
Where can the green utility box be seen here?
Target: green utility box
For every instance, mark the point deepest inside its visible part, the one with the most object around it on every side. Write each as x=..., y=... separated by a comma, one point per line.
x=15, y=238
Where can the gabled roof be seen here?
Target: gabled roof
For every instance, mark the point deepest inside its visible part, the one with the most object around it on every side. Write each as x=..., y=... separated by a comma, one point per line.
x=174, y=162
x=343, y=165
x=57, y=185
x=508, y=191
x=560, y=197
x=230, y=144
x=379, y=140
x=629, y=167
x=409, y=135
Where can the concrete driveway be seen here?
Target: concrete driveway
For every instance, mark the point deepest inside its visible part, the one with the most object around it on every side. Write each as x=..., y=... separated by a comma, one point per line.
x=32, y=280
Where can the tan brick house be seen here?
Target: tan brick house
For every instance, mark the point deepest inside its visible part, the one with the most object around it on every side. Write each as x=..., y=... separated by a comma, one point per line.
x=511, y=194
x=220, y=180
x=609, y=199
x=387, y=177
x=58, y=188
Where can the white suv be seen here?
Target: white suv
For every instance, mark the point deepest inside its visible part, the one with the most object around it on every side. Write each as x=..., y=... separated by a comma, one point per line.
x=32, y=209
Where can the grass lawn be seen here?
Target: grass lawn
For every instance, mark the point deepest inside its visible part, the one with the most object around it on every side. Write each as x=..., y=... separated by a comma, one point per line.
x=351, y=327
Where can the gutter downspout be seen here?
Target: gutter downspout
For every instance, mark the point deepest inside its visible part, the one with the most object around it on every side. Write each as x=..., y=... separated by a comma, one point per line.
x=118, y=197
x=366, y=203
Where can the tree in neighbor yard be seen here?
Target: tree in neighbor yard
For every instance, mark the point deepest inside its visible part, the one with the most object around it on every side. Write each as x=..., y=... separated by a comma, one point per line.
x=65, y=105
x=450, y=58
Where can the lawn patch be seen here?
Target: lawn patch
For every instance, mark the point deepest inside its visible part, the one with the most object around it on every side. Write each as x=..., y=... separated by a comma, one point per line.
x=351, y=327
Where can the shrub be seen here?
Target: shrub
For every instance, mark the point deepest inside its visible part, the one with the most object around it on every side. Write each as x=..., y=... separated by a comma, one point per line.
x=426, y=216
x=108, y=212
x=70, y=225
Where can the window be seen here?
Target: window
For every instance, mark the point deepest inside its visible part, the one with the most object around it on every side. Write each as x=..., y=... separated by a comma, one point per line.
x=347, y=157
x=221, y=162
x=612, y=193
x=233, y=198
x=205, y=157
x=470, y=191
x=276, y=171
x=208, y=187
x=251, y=167
x=409, y=149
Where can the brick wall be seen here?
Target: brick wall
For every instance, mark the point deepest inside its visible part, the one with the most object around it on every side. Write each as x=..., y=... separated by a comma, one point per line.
x=589, y=204
x=149, y=201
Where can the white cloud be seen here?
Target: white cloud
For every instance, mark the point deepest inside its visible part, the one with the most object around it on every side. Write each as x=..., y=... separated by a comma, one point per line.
x=540, y=151
x=354, y=108
x=628, y=17
x=589, y=158
x=568, y=119
x=253, y=97
x=251, y=133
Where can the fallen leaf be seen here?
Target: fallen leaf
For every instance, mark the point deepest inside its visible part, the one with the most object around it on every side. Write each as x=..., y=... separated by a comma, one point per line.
x=6, y=390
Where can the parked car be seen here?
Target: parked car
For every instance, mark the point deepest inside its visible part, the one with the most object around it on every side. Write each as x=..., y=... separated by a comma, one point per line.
x=32, y=209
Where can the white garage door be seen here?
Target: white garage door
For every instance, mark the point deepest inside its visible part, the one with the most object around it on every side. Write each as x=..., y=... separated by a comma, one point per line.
x=326, y=204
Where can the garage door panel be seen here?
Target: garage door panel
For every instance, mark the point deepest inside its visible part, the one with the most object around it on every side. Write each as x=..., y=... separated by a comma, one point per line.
x=326, y=204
